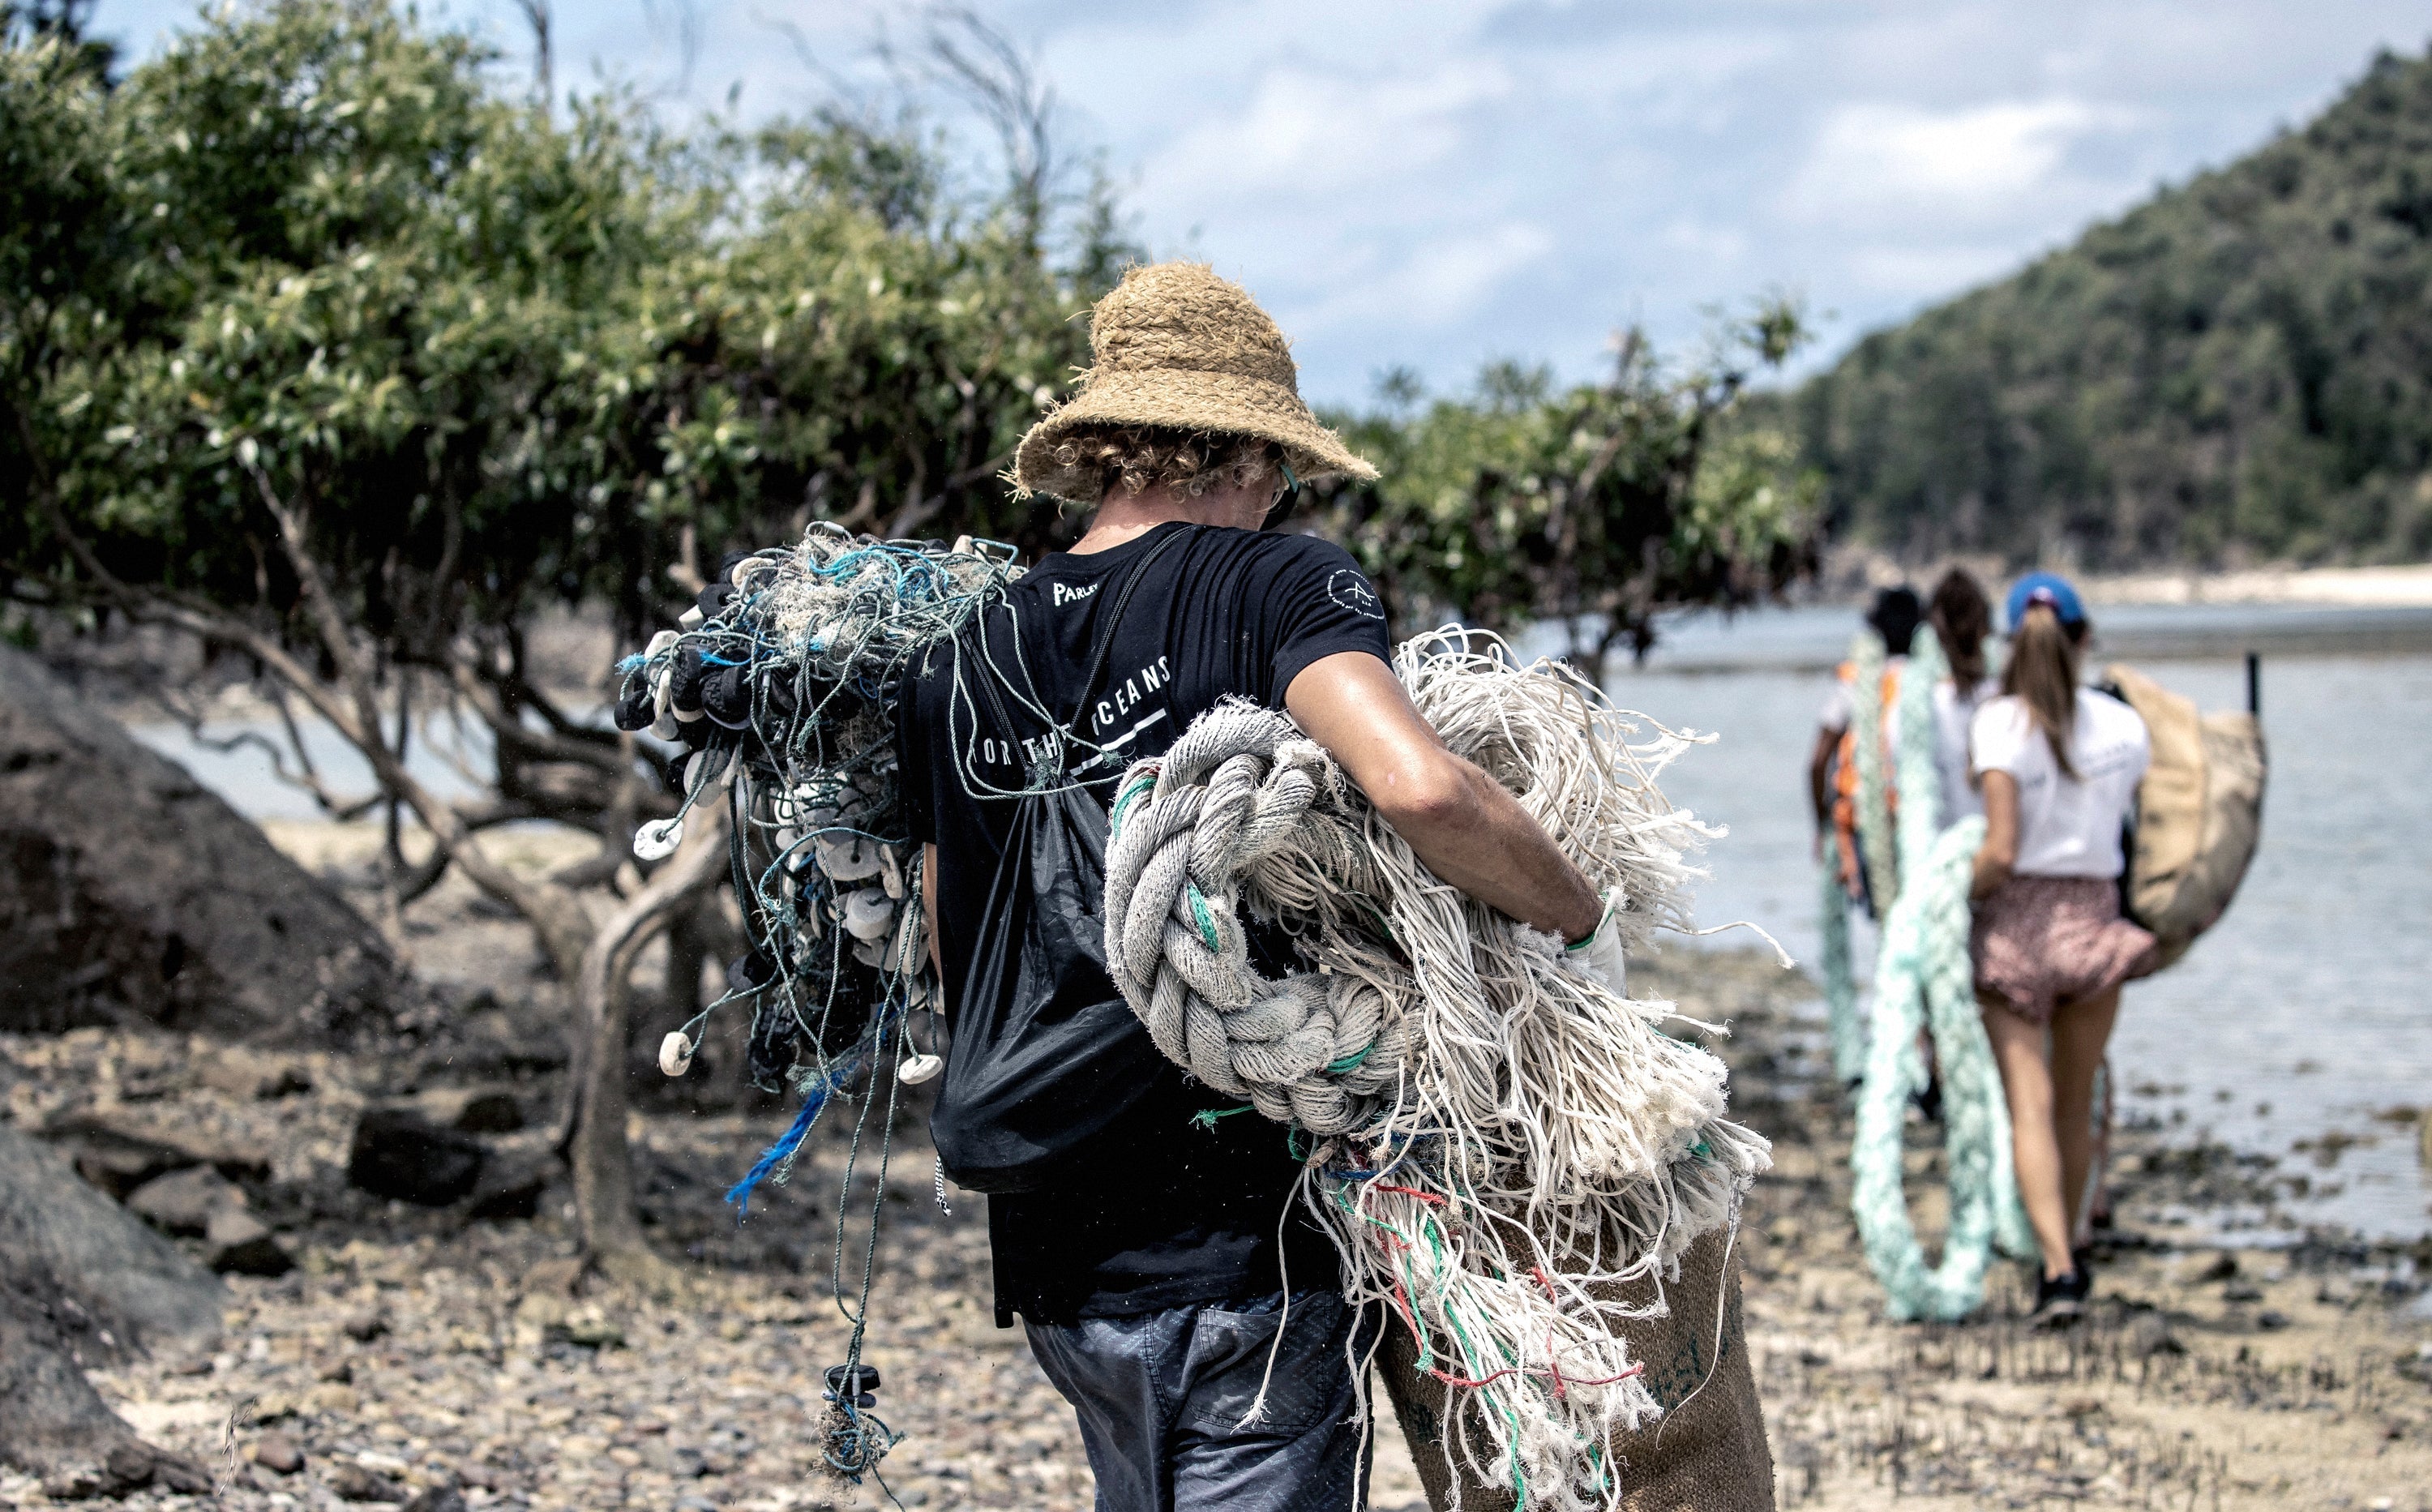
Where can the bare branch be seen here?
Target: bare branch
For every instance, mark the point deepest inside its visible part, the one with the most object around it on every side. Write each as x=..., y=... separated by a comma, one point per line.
x=343, y=809
x=685, y=572
x=686, y=16
x=979, y=63
x=519, y=742
x=558, y=915
x=536, y=15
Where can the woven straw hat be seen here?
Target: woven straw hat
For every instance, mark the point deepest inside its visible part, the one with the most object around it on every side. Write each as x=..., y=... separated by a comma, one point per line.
x=1177, y=347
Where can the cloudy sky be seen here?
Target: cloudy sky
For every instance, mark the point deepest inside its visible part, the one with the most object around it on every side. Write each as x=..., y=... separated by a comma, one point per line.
x=1437, y=182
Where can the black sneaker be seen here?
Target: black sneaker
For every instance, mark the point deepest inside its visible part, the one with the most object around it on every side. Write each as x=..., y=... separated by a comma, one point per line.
x=2060, y=1300
x=1927, y=1100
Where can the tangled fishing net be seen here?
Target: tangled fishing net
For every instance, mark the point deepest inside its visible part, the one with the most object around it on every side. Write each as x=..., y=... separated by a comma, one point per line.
x=1497, y=1139
x=780, y=688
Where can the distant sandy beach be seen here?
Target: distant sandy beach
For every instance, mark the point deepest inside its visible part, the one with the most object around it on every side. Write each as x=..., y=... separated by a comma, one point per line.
x=2356, y=587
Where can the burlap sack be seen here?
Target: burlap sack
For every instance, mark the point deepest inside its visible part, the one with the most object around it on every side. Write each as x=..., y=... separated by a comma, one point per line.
x=1708, y=1455
x=2199, y=812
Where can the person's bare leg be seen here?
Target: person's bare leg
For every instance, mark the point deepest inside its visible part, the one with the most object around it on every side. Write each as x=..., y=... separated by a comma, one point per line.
x=2080, y=1032
x=2027, y=1083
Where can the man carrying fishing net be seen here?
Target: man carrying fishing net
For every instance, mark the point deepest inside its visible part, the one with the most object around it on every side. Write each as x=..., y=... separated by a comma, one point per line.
x=1143, y=1221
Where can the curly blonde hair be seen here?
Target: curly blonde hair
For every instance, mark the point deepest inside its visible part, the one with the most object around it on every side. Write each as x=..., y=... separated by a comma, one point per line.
x=1127, y=459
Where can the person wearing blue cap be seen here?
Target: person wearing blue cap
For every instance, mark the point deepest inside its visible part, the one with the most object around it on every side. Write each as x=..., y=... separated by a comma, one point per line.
x=2058, y=766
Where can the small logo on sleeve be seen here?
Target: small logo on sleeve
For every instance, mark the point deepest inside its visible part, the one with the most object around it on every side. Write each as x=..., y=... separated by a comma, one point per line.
x=1349, y=588
x=1067, y=595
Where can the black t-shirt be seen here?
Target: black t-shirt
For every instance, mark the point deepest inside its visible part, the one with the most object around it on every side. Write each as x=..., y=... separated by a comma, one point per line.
x=1158, y=1211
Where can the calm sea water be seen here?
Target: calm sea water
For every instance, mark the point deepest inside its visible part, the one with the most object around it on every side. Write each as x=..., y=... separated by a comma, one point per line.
x=2307, y=1011
x=2304, y=1012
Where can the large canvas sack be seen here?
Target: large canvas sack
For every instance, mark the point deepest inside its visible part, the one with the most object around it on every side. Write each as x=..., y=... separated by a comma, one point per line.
x=1706, y=1453
x=2199, y=812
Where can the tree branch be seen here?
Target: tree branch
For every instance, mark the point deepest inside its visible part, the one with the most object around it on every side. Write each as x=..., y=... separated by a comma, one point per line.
x=558, y=915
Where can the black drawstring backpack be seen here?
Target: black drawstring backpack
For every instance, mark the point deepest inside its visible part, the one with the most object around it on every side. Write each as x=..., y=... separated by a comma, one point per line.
x=1046, y=1053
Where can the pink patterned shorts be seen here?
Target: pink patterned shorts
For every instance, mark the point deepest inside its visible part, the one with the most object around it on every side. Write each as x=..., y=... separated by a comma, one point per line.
x=2043, y=941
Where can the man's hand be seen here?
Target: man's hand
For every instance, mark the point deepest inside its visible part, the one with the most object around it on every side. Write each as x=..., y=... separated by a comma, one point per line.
x=1461, y=822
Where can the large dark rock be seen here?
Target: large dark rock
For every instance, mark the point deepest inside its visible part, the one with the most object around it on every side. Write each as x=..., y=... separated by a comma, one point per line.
x=126, y=888
x=399, y=1153
x=83, y=1281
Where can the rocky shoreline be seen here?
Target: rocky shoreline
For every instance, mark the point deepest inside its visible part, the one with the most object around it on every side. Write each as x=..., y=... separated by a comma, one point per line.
x=454, y=1355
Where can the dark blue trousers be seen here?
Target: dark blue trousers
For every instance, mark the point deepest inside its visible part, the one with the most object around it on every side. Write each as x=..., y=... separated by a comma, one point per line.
x=1161, y=1397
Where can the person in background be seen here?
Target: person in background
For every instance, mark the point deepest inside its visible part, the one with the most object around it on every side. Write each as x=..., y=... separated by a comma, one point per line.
x=1832, y=768
x=2058, y=766
x=1962, y=616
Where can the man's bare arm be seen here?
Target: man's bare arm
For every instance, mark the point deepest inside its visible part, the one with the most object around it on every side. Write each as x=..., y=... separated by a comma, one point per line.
x=1461, y=822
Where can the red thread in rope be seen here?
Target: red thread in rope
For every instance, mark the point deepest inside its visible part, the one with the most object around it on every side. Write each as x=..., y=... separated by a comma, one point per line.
x=1402, y=1304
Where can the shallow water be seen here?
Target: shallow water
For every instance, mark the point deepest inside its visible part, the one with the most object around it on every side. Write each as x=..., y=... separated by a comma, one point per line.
x=2304, y=1012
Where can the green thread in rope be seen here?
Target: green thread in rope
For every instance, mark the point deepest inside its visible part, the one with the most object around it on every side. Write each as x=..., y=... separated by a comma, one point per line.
x=1336, y=1068
x=1146, y=782
x=1200, y=914
x=1206, y=1118
x=1382, y=922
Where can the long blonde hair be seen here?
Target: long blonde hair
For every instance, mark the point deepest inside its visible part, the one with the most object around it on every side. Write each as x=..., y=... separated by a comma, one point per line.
x=2042, y=673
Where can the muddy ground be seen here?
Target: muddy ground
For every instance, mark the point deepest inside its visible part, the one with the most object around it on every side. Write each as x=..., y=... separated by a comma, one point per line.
x=436, y=1356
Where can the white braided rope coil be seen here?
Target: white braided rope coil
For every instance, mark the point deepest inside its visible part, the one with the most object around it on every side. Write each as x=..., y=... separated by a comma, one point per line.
x=1310, y=1049
x=1507, y=1135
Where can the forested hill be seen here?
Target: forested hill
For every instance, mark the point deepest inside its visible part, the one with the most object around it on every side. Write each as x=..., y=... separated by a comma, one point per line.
x=2238, y=369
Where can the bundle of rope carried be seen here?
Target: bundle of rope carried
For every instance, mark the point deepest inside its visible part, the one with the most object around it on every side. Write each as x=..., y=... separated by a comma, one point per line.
x=780, y=687
x=1925, y=981
x=1492, y=1137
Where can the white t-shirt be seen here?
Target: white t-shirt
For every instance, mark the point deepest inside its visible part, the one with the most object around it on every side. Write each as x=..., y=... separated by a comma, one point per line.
x=2066, y=828
x=1953, y=711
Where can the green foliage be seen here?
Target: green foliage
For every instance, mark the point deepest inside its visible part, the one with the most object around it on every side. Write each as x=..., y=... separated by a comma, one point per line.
x=312, y=259
x=1593, y=508
x=61, y=24
x=2238, y=368
x=310, y=298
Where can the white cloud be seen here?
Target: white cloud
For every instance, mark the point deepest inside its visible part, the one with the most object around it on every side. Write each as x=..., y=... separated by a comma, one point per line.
x=1435, y=286
x=1879, y=162
x=1304, y=134
x=1433, y=182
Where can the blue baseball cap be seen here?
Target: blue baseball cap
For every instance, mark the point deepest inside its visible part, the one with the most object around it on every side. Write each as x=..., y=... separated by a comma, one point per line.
x=2048, y=588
